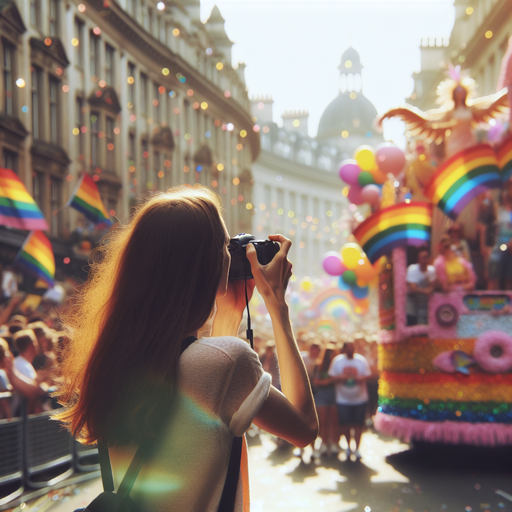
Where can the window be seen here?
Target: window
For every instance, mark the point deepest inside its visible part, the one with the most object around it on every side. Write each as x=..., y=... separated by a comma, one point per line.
x=111, y=153
x=131, y=86
x=11, y=160
x=144, y=166
x=37, y=188
x=95, y=146
x=35, y=12
x=79, y=36
x=55, y=187
x=53, y=17
x=94, y=57
x=54, y=110
x=143, y=94
x=8, y=77
x=79, y=122
x=110, y=54
x=145, y=16
x=156, y=104
x=36, y=78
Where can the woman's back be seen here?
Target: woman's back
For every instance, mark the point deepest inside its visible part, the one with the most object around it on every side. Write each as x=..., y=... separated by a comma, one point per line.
x=221, y=387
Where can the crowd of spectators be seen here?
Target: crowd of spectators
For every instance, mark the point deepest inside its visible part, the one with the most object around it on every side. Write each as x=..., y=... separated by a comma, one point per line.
x=28, y=356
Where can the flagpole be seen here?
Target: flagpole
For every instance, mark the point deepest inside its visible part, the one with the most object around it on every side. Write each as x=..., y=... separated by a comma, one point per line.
x=78, y=185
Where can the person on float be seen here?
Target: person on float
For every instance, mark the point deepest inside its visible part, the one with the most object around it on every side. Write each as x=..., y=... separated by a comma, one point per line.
x=500, y=260
x=421, y=279
x=459, y=244
x=454, y=272
x=122, y=376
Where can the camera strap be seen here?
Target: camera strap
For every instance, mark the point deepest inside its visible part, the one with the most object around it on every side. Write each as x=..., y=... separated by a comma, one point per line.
x=249, y=332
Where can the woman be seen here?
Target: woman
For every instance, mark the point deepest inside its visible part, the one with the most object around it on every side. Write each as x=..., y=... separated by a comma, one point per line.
x=454, y=272
x=122, y=374
x=325, y=400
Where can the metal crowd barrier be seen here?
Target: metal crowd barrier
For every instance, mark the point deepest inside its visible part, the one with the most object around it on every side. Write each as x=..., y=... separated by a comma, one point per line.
x=37, y=452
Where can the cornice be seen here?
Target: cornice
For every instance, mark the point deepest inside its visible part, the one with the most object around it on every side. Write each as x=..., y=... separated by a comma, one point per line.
x=493, y=21
x=161, y=55
x=298, y=170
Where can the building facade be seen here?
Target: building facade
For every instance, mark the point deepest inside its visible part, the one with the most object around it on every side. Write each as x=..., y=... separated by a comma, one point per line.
x=140, y=94
x=478, y=41
x=297, y=188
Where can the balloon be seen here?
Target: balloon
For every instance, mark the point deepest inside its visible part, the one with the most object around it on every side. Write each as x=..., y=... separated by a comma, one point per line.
x=360, y=282
x=349, y=277
x=365, y=157
x=371, y=194
x=351, y=254
x=342, y=285
x=390, y=158
x=359, y=292
x=379, y=176
x=332, y=264
x=366, y=270
x=354, y=195
x=365, y=178
x=349, y=171
x=306, y=284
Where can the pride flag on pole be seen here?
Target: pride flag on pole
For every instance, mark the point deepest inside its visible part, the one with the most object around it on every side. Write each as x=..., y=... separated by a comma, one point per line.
x=36, y=257
x=87, y=200
x=463, y=177
x=399, y=225
x=17, y=208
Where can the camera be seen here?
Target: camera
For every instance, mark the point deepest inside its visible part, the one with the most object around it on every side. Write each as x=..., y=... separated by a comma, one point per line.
x=240, y=266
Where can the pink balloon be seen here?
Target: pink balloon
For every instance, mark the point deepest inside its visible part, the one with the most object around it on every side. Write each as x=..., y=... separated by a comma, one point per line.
x=349, y=172
x=370, y=194
x=354, y=195
x=390, y=158
x=332, y=264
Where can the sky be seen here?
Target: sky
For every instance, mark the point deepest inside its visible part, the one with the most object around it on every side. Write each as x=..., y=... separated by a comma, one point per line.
x=292, y=48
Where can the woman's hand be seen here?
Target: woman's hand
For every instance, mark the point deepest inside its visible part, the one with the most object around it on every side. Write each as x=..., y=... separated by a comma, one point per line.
x=272, y=279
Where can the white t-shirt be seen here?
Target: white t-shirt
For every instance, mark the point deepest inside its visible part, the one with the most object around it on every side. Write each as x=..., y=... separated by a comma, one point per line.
x=350, y=392
x=221, y=389
x=421, y=280
x=9, y=283
x=25, y=368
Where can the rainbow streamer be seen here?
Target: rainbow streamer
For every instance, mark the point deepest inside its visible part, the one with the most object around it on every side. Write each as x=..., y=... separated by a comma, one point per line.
x=87, y=200
x=36, y=256
x=399, y=225
x=505, y=159
x=463, y=177
x=17, y=208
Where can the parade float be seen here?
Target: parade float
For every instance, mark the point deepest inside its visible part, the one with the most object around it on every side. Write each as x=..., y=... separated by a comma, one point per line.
x=450, y=379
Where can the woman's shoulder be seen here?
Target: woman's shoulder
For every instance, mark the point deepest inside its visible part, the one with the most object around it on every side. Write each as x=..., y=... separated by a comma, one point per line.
x=231, y=346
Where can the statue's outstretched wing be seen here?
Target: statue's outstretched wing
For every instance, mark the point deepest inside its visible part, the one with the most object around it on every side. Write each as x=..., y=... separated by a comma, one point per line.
x=489, y=107
x=429, y=125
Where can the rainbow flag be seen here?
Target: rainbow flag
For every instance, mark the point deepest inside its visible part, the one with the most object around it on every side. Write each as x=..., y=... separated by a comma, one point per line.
x=463, y=177
x=17, y=208
x=87, y=200
x=504, y=152
x=36, y=256
x=399, y=225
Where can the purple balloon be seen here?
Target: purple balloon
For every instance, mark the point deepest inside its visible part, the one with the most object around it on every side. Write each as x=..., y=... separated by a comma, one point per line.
x=390, y=158
x=332, y=264
x=354, y=195
x=349, y=172
x=370, y=194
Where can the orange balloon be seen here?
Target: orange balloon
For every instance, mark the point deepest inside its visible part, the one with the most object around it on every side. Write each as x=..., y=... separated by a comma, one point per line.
x=378, y=176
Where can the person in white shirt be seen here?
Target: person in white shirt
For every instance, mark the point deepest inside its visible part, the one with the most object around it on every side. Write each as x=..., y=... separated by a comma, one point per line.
x=421, y=278
x=350, y=372
x=9, y=283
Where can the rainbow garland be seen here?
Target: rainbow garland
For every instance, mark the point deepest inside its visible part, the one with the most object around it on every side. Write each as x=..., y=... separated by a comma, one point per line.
x=36, y=256
x=399, y=225
x=505, y=159
x=463, y=177
x=87, y=200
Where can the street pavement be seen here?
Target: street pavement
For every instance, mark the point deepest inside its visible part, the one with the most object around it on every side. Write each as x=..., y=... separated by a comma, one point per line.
x=391, y=477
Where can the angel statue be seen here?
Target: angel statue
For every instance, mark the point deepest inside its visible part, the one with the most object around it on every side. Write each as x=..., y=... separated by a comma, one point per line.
x=459, y=113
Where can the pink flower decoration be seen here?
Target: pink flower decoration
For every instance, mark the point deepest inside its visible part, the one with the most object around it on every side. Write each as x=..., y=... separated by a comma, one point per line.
x=493, y=352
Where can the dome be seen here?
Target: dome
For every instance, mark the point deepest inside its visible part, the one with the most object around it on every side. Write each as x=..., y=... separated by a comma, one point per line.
x=350, y=111
x=350, y=62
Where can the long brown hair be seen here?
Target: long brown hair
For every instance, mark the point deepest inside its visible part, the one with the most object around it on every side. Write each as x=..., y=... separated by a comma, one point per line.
x=156, y=283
